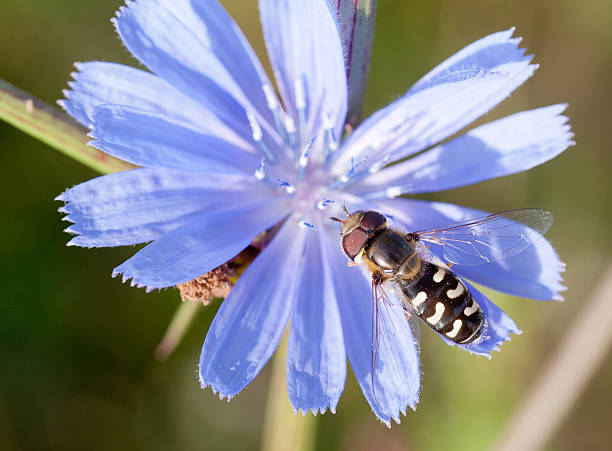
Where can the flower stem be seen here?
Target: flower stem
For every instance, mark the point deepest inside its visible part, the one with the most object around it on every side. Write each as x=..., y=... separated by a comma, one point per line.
x=284, y=429
x=53, y=127
x=179, y=324
x=566, y=375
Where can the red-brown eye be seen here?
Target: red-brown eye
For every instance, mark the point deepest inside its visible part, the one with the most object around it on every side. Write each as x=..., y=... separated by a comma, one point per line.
x=372, y=220
x=353, y=242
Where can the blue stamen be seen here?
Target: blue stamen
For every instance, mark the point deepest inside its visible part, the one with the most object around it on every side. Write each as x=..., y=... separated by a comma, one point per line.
x=260, y=174
x=303, y=160
x=350, y=175
x=289, y=125
x=300, y=104
x=323, y=203
x=389, y=193
x=289, y=188
x=330, y=143
x=258, y=138
x=274, y=107
x=307, y=225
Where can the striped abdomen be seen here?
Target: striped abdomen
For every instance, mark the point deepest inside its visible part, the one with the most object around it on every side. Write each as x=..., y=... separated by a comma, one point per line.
x=444, y=303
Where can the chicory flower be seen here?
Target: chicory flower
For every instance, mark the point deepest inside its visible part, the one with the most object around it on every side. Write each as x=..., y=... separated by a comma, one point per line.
x=223, y=159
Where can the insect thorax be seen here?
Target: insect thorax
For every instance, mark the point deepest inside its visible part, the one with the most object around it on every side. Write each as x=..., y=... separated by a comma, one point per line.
x=387, y=252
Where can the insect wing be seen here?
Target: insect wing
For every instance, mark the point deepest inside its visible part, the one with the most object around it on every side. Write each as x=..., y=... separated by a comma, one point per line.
x=415, y=327
x=388, y=316
x=490, y=238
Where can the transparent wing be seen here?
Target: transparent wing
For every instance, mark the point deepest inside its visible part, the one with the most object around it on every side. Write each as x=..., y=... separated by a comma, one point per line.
x=388, y=315
x=489, y=238
x=415, y=327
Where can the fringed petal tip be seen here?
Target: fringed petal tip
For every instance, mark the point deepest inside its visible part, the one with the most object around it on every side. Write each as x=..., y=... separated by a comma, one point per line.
x=474, y=347
x=71, y=103
x=396, y=415
x=556, y=296
x=314, y=407
x=124, y=277
x=315, y=410
x=221, y=395
x=62, y=102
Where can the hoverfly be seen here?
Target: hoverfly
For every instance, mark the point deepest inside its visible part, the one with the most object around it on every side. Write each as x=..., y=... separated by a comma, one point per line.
x=426, y=286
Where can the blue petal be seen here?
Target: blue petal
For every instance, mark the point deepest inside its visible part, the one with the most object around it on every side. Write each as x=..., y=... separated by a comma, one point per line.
x=316, y=359
x=202, y=244
x=190, y=50
x=251, y=320
x=152, y=140
x=513, y=144
x=305, y=50
x=496, y=330
x=496, y=49
x=396, y=381
x=98, y=83
x=233, y=50
x=452, y=96
x=141, y=205
x=534, y=273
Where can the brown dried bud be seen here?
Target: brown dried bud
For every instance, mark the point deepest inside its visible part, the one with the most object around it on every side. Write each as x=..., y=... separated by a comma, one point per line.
x=219, y=282
x=213, y=284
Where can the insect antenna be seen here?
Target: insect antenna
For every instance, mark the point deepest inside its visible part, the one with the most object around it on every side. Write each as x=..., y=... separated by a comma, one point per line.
x=346, y=212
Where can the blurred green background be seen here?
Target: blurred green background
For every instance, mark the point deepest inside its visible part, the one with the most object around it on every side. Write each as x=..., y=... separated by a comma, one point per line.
x=77, y=366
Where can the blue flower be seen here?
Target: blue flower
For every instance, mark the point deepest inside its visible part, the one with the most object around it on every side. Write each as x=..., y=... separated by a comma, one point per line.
x=223, y=159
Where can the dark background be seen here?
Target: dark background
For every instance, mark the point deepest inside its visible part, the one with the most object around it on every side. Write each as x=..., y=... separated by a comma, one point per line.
x=77, y=366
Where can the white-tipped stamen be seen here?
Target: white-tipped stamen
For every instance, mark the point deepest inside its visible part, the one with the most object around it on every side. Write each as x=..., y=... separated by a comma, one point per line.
x=323, y=204
x=300, y=104
x=258, y=138
x=379, y=164
x=389, y=193
x=291, y=131
x=289, y=188
x=327, y=129
x=330, y=143
x=277, y=113
x=351, y=175
x=303, y=160
x=270, y=97
x=333, y=146
x=307, y=225
x=260, y=174
x=255, y=128
x=393, y=192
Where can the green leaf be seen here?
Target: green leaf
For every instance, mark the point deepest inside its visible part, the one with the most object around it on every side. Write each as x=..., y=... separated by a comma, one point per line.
x=51, y=126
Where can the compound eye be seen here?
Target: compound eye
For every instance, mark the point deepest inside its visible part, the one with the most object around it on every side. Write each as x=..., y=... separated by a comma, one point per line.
x=353, y=242
x=372, y=220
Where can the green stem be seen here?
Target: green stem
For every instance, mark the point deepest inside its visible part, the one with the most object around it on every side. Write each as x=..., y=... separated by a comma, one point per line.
x=179, y=324
x=584, y=347
x=53, y=127
x=284, y=430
